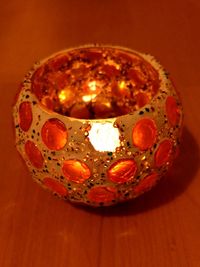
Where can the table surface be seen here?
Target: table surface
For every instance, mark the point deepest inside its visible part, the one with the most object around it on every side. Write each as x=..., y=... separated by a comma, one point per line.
x=160, y=228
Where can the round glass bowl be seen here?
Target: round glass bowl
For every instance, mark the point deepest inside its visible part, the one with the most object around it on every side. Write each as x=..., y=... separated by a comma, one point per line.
x=97, y=124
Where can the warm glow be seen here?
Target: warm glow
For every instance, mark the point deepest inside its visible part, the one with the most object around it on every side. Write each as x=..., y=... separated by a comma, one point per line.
x=122, y=171
x=104, y=136
x=92, y=85
x=113, y=63
x=144, y=133
x=54, y=134
x=76, y=171
x=65, y=95
x=122, y=84
x=62, y=96
x=88, y=98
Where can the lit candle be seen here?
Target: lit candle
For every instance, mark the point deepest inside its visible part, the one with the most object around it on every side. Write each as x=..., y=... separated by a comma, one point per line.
x=97, y=125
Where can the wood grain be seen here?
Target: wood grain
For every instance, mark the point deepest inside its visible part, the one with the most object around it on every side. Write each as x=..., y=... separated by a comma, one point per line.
x=161, y=228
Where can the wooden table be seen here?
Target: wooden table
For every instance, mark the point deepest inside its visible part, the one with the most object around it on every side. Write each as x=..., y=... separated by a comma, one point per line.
x=159, y=229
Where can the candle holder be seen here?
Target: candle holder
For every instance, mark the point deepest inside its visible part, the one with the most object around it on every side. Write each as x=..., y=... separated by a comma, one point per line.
x=97, y=124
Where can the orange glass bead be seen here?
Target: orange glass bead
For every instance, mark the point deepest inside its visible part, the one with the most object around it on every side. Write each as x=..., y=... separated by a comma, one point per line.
x=144, y=133
x=34, y=154
x=54, y=134
x=102, y=194
x=55, y=186
x=163, y=153
x=146, y=183
x=25, y=116
x=122, y=171
x=76, y=171
x=173, y=112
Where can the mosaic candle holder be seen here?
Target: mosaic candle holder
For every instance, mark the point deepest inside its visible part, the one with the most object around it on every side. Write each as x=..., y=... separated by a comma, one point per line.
x=97, y=124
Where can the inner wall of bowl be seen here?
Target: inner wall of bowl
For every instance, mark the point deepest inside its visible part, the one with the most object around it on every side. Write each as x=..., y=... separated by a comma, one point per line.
x=95, y=83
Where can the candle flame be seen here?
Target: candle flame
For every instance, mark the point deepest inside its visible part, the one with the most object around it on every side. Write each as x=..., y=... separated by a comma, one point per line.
x=104, y=136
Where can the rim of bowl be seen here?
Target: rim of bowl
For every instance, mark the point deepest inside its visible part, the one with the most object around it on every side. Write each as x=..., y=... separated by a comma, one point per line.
x=158, y=67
